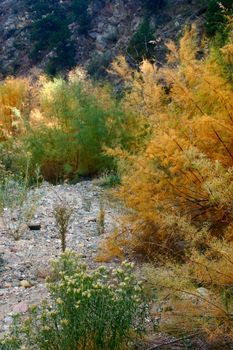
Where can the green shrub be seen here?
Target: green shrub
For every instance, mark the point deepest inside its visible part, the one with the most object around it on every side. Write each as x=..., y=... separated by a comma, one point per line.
x=47, y=32
x=108, y=179
x=85, y=120
x=13, y=157
x=64, y=58
x=98, y=310
x=49, y=27
x=140, y=46
x=54, y=151
x=51, y=33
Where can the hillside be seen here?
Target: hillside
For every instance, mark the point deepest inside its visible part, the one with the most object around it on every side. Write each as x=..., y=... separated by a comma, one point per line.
x=109, y=30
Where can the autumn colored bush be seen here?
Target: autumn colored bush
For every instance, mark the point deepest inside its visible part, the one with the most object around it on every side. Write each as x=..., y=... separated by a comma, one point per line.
x=167, y=147
x=14, y=106
x=18, y=98
x=178, y=188
x=184, y=173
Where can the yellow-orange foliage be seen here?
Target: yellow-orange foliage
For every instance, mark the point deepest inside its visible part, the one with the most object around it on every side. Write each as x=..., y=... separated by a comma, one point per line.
x=185, y=172
x=14, y=106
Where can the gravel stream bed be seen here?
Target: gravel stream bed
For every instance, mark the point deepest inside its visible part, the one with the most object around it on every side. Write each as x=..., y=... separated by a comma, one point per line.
x=24, y=264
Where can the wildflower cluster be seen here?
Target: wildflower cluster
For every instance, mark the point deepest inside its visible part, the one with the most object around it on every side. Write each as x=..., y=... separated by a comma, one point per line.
x=90, y=310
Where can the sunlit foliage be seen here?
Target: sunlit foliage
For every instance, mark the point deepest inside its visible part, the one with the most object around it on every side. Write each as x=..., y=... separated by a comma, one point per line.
x=81, y=120
x=185, y=171
x=14, y=106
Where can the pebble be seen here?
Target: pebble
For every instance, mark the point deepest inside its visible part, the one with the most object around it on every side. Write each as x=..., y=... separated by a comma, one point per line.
x=25, y=284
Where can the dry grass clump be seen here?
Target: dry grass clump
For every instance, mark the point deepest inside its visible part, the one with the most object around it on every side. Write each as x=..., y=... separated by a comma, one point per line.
x=112, y=247
x=197, y=296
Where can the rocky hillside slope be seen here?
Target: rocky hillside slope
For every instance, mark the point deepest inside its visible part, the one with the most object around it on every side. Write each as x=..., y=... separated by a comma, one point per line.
x=112, y=25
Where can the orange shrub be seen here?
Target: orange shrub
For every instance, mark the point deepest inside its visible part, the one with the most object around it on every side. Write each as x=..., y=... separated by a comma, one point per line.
x=14, y=106
x=184, y=174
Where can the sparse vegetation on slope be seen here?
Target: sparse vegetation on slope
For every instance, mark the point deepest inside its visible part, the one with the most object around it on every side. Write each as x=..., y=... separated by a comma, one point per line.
x=50, y=31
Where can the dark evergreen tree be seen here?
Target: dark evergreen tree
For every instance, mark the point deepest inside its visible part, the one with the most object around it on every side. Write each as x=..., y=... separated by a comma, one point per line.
x=80, y=14
x=50, y=30
x=216, y=17
x=154, y=5
x=141, y=44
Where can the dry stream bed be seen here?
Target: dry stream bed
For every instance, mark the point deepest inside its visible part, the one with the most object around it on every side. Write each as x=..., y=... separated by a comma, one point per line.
x=25, y=263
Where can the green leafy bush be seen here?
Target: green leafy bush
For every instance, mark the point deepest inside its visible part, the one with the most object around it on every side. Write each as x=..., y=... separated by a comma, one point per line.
x=54, y=151
x=13, y=157
x=108, y=179
x=85, y=120
x=51, y=33
x=98, y=310
x=64, y=58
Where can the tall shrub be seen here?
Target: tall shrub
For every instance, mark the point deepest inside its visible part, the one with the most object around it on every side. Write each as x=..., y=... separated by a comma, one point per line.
x=185, y=173
x=84, y=120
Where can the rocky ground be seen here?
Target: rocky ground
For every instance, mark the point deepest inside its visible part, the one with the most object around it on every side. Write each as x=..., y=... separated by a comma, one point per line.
x=25, y=263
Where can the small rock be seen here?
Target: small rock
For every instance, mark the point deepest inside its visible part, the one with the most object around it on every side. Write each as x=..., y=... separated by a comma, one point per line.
x=20, y=308
x=203, y=292
x=8, y=285
x=8, y=320
x=25, y=284
x=91, y=219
